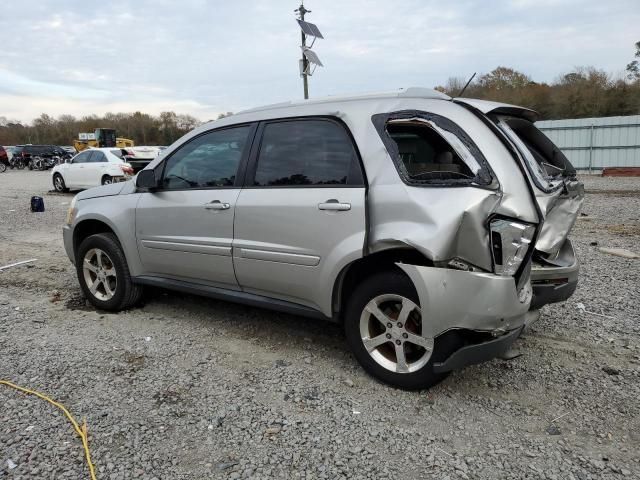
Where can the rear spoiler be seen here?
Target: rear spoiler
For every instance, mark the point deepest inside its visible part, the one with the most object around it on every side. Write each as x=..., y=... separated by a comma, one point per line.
x=488, y=107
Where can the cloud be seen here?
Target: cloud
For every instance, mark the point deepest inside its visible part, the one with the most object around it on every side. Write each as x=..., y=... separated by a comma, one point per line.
x=208, y=56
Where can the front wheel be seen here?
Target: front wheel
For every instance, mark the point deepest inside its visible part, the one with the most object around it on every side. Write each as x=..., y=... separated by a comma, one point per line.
x=384, y=327
x=104, y=275
x=3, y=167
x=107, y=180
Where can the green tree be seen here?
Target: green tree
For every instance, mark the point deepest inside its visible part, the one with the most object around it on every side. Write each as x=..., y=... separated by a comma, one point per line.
x=633, y=68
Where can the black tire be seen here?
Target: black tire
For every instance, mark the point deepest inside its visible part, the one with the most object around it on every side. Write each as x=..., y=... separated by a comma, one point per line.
x=20, y=165
x=127, y=294
x=107, y=180
x=393, y=282
x=3, y=167
x=58, y=184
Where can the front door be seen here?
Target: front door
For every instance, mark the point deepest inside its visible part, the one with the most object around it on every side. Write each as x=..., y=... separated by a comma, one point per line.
x=184, y=229
x=74, y=171
x=301, y=216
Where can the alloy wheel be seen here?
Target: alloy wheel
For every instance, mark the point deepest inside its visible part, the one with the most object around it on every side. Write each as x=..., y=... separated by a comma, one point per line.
x=391, y=331
x=99, y=274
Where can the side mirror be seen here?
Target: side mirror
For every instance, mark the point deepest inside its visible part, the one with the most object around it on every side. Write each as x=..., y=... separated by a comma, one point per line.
x=147, y=179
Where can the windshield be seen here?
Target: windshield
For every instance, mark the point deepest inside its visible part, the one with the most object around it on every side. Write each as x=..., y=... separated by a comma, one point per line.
x=546, y=163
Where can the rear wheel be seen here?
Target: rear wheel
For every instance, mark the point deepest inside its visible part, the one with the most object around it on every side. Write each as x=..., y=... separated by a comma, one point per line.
x=104, y=275
x=58, y=183
x=384, y=328
x=107, y=180
x=3, y=167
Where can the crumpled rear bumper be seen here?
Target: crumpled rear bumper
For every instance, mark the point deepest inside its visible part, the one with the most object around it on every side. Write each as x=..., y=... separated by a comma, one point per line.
x=468, y=300
x=556, y=280
x=479, y=302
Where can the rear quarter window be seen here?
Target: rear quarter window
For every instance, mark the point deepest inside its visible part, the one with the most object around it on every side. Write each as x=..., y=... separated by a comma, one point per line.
x=431, y=150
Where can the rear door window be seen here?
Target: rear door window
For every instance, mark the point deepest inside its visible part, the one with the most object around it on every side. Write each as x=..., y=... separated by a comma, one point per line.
x=97, y=157
x=316, y=152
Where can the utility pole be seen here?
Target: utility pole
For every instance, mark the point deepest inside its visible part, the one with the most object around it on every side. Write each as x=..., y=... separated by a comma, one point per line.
x=305, y=82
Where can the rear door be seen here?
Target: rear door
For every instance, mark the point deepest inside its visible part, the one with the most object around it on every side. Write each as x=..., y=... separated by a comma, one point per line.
x=301, y=216
x=95, y=169
x=184, y=230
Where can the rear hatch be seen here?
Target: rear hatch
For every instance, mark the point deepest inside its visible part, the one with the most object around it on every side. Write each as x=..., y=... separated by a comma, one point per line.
x=558, y=192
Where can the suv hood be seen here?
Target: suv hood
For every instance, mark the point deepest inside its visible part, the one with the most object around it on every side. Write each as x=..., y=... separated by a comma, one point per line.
x=103, y=191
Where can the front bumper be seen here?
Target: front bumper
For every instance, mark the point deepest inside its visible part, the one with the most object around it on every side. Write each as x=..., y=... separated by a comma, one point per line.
x=67, y=237
x=555, y=280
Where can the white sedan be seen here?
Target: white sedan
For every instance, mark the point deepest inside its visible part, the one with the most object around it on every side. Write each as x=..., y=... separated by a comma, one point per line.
x=90, y=168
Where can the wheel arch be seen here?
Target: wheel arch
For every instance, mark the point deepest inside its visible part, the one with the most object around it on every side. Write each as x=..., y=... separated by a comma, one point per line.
x=383, y=261
x=90, y=226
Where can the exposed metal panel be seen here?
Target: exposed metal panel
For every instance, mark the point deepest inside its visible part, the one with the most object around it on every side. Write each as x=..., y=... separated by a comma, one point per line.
x=597, y=142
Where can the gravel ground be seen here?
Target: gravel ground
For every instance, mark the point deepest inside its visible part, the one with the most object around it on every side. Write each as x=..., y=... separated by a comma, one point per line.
x=191, y=388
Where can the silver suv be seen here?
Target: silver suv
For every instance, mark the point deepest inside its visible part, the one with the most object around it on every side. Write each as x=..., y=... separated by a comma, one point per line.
x=427, y=226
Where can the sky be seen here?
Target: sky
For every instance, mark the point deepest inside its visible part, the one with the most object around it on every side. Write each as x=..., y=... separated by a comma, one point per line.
x=203, y=57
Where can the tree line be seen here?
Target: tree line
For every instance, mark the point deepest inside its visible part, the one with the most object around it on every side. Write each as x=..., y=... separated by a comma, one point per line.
x=142, y=128
x=582, y=92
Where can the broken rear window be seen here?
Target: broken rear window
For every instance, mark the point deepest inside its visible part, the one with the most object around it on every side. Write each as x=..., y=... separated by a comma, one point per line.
x=546, y=163
x=425, y=154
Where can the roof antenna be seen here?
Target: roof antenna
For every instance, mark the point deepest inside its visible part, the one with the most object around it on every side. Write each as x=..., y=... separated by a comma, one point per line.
x=465, y=87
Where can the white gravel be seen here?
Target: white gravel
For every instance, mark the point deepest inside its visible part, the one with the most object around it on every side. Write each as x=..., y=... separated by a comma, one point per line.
x=191, y=388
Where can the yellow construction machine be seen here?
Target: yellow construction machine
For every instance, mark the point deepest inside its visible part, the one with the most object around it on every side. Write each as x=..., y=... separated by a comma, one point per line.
x=102, y=137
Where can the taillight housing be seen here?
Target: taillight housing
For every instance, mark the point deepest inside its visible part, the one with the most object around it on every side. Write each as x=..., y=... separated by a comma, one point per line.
x=126, y=168
x=510, y=243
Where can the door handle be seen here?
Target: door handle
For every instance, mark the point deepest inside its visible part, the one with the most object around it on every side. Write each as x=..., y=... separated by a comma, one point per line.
x=334, y=205
x=217, y=205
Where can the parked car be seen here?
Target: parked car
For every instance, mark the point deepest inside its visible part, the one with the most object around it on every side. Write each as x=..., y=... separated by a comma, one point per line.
x=45, y=151
x=90, y=168
x=4, y=159
x=69, y=149
x=140, y=157
x=411, y=218
x=9, y=151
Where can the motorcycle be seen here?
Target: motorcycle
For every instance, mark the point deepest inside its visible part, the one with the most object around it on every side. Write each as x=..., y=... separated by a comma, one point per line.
x=37, y=163
x=17, y=162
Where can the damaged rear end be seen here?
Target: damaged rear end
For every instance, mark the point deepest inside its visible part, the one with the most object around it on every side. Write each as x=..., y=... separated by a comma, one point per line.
x=474, y=218
x=559, y=196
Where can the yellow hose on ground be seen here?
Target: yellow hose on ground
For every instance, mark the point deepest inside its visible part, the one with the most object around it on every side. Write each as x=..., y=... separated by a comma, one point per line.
x=82, y=431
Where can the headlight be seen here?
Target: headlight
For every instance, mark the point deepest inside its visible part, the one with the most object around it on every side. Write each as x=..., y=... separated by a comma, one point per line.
x=510, y=242
x=71, y=213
